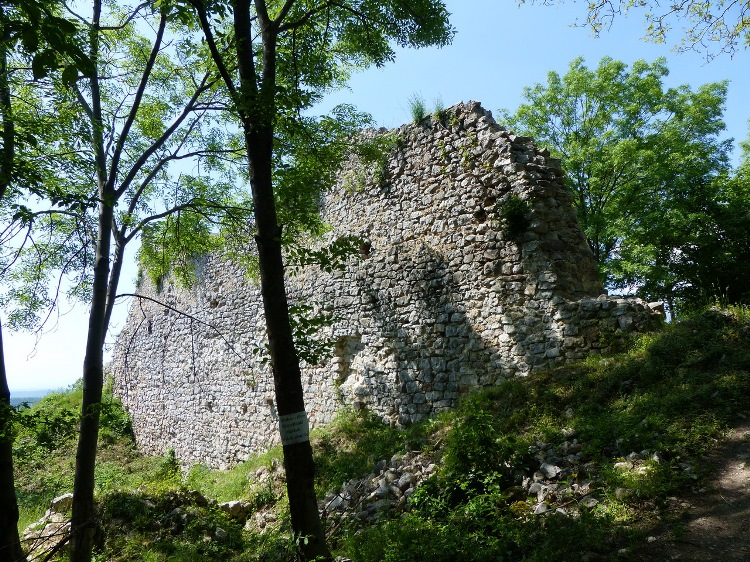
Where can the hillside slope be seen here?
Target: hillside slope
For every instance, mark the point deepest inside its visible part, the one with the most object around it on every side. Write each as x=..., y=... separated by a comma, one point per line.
x=619, y=455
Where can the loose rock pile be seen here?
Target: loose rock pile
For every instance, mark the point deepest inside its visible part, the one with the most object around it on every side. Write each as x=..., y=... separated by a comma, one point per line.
x=385, y=490
x=563, y=483
x=51, y=529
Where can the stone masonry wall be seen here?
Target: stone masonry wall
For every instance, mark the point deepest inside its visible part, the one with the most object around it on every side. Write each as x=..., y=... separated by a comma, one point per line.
x=443, y=300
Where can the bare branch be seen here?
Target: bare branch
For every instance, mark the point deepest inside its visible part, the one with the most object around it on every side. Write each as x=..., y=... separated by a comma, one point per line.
x=191, y=317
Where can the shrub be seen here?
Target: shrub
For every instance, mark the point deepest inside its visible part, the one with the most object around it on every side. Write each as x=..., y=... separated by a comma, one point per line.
x=515, y=215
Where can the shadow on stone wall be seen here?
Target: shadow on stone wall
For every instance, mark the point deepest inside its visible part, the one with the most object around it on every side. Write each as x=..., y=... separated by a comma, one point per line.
x=423, y=349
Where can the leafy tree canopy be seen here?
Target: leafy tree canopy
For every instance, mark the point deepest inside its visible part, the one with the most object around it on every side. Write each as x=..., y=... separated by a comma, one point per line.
x=117, y=135
x=644, y=164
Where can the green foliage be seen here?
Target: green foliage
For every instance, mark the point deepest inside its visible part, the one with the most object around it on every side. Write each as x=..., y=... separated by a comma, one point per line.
x=52, y=423
x=484, y=529
x=159, y=101
x=307, y=157
x=673, y=394
x=36, y=29
x=641, y=162
x=415, y=538
x=439, y=112
x=703, y=256
x=371, y=153
x=352, y=445
x=151, y=105
x=45, y=442
x=227, y=485
x=328, y=258
x=515, y=215
x=173, y=246
x=176, y=526
x=417, y=108
x=308, y=321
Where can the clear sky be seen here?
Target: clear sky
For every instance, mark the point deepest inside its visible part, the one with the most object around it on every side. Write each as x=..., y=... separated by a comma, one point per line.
x=499, y=49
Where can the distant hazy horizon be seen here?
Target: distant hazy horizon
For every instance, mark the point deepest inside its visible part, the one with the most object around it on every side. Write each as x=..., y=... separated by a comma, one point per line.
x=33, y=391
x=18, y=397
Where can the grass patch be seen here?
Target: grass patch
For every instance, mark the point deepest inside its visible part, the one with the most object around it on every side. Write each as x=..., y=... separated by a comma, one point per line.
x=236, y=483
x=352, y=445
x=417, y=108
x=636, y=424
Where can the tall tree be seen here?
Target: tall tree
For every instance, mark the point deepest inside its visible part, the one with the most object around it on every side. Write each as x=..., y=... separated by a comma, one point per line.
x=32, y=31
x=108, y=154
x=695, y=251
x=284, y=56
x=632, y=152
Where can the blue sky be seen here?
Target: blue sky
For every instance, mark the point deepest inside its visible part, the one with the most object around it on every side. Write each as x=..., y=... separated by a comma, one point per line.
x=499, y=49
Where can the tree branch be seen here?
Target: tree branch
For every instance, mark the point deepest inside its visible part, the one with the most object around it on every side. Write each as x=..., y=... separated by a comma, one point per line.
x=137, y=101
x=200, y=8
x=158, y=143
x=127, y=20
x=197, y=204
x=304, y=18
x=191, y=317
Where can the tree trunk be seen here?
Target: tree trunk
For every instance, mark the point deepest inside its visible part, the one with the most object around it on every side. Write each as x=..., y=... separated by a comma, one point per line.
x=298, y=459
x=10, y=544
x=7, y=156
x=254, y=97
x=258, y=127
x=83, y=521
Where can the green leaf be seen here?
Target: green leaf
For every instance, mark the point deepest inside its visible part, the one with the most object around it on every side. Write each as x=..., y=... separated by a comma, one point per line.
x=39, y=66
x=69, y=75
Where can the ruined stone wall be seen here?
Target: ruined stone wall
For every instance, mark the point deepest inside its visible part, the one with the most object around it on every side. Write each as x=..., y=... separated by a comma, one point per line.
x=445, y=298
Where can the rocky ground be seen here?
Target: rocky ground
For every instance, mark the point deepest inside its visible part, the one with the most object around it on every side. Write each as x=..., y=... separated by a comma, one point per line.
x=714, y=522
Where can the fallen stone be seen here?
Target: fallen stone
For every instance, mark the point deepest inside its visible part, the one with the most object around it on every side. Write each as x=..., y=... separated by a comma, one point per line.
x=550, y=470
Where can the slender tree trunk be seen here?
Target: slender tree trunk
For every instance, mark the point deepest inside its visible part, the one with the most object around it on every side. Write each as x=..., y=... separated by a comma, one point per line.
x=83, y=520
x=259, y=111
x=254, y=98
x=10, y=544
x=298, y=459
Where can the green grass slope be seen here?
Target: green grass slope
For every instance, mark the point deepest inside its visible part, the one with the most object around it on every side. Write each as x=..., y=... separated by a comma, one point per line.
x=576, y=462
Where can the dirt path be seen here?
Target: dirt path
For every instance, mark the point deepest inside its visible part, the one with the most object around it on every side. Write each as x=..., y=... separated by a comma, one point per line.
x=715, y=522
